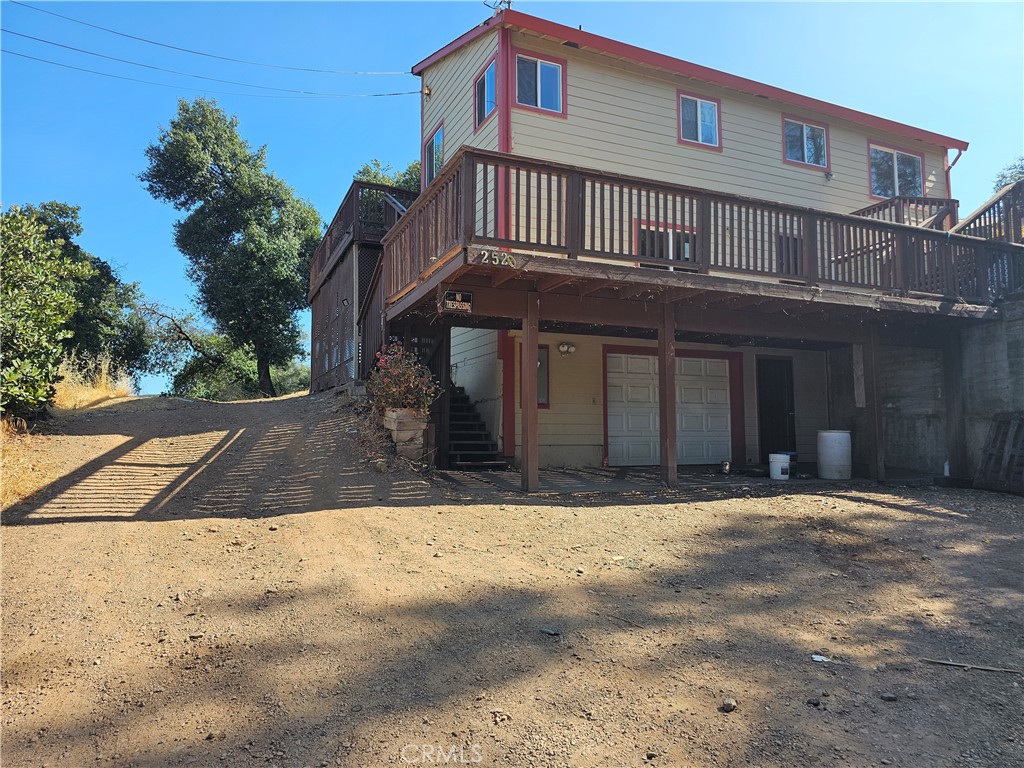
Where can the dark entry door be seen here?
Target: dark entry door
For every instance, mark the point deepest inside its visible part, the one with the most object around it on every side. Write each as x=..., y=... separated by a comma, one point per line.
x=775, y=408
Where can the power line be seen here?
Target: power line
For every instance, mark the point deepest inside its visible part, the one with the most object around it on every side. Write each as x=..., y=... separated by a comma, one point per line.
x=178, y=87
x=200, y=53
x=174, y=71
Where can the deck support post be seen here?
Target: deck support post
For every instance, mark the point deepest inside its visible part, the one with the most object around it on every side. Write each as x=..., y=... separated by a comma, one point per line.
x=667, y=394
x=875, y=437
x=956, y=440
x=530, y=475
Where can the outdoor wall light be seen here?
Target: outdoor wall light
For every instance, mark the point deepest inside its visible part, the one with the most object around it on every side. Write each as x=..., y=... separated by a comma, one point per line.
x=829, y=175
x=426, y=90
x=566, y=348
x=344, y=302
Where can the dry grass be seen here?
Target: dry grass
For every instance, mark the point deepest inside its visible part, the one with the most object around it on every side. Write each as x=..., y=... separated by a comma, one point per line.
x=89, y=381
x=21, y=471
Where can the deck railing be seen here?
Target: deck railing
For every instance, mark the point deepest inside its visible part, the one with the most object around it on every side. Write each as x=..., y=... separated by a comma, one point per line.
x=486, y=198
x=364, y=214
x=931, y=212
x=1001, y=218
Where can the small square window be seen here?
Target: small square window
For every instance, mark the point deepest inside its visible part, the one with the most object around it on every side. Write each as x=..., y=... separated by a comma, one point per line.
x=539, y=84
x=806, y=143
x=698, y=120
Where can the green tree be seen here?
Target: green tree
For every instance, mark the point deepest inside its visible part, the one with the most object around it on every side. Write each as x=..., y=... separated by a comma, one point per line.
x=1011, y=173
x=107, y=318
x=248, y=239
x=382, y=173
x=36, y=300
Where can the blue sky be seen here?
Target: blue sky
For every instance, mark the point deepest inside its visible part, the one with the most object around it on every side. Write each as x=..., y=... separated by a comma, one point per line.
x=955, y=69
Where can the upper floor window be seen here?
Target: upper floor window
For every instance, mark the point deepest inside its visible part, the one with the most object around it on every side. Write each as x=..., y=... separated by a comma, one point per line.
x=699, y=120
x=433, y=157
x=485, y=93
x=895, y=173
x=805, y=143
x=539, y=84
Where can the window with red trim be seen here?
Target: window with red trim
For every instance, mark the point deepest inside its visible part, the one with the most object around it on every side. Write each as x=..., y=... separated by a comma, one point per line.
x=698, y=120
x=805, y=143
x=539, y=83
x=486, y=93
x=895, y=173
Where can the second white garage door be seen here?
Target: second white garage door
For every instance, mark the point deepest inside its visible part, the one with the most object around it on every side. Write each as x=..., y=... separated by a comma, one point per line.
x=703, y=418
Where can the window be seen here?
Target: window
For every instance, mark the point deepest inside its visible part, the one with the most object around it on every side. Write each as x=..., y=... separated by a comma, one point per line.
x=654, y=242
x=434, y=155
x=805, y=143
x=539, y=84
x=895, y=173
x=485, y=94
x=698, y=120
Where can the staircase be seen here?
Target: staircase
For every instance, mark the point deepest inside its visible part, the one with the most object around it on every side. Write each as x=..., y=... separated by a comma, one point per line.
x=470, y=447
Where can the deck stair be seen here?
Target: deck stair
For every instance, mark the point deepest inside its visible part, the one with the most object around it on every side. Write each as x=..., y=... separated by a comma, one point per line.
x=470, y=446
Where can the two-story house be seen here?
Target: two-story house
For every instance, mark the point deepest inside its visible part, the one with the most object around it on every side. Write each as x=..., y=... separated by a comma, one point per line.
x=697, y=266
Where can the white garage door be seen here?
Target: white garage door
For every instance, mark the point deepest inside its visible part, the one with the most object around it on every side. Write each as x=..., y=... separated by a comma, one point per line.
x=703, y=424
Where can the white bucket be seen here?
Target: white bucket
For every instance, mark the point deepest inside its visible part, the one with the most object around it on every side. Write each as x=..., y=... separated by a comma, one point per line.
x=778, y=465
x=834, y=454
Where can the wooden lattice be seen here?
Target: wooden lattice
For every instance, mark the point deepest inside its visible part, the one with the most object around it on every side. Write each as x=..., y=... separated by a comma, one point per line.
x=1002, y=461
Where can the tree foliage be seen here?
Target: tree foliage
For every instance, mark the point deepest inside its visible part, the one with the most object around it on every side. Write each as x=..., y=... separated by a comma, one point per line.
x=36, y=299
x=247, y=237
x=1011, y=173
x=382, y=173
x=106, y=321
x=208, y=365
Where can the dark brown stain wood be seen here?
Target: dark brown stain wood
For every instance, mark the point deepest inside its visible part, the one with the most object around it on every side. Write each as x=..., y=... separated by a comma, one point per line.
x=667, y=394
x=530, y=479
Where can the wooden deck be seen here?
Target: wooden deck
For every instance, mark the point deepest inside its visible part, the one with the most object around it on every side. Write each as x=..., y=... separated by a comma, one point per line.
x=570, y=225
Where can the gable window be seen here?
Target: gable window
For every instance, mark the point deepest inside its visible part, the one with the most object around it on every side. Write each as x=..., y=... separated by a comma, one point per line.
x=433, y=155
x=485, y=93
x=805, y=143
x=699, y=120
x=539, y=84
x=895, y=173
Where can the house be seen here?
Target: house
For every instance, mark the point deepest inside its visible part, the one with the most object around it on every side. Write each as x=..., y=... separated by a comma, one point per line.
x=699, y=267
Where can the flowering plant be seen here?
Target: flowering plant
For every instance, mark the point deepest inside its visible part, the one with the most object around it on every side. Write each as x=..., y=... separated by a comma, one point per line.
x=399, y=381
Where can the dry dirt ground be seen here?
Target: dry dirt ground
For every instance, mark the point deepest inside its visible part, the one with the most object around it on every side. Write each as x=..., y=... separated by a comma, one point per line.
x=238, y=584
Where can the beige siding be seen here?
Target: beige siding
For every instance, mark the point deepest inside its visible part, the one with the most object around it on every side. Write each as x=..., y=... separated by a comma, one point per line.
x=451, y=98
x=476, y=368
x=622, y=118
x=571, y=431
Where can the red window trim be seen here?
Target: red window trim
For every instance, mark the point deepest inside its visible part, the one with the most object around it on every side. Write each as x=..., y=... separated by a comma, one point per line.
x=827, y=167
x=497, y=99
x=737, y=415
x=902, y=151
x=514, y=95
x=679, y=121
x=423, y=154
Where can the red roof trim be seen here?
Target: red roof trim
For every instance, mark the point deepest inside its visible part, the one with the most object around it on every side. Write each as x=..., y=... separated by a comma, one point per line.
x=689, y=69
x=492, y=23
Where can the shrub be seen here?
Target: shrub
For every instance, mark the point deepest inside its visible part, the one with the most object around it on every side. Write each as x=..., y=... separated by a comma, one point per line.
x=36, y=300
x=399, y=381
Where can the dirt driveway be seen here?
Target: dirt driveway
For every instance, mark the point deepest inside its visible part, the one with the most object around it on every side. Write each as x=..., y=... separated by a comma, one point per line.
x=236, y=585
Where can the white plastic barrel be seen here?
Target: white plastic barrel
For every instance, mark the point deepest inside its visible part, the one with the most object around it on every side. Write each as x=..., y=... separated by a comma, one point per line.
x=835, y=456
x=778, y=466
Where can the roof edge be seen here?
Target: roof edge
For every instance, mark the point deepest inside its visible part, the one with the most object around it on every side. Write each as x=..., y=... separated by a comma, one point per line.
x=688, y=69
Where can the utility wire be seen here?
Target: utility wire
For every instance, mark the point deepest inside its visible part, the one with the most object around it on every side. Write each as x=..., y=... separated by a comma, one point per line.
x=178, y=87
x=201, y=53
x=183, y=74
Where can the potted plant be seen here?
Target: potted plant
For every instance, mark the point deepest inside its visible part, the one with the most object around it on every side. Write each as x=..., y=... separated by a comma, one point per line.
x=402, y=390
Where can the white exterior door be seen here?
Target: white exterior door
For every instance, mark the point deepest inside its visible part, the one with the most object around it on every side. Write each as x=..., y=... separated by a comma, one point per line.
x=703, y=419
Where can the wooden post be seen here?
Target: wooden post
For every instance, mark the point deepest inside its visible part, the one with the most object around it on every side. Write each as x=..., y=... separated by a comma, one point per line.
x=874, y=427
x=809, y=269
x=956, y=440
x=667, y=394
x=444, y=375
x=704, y=233
x=530, y=475
x=468, y=191
x=574, y=215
